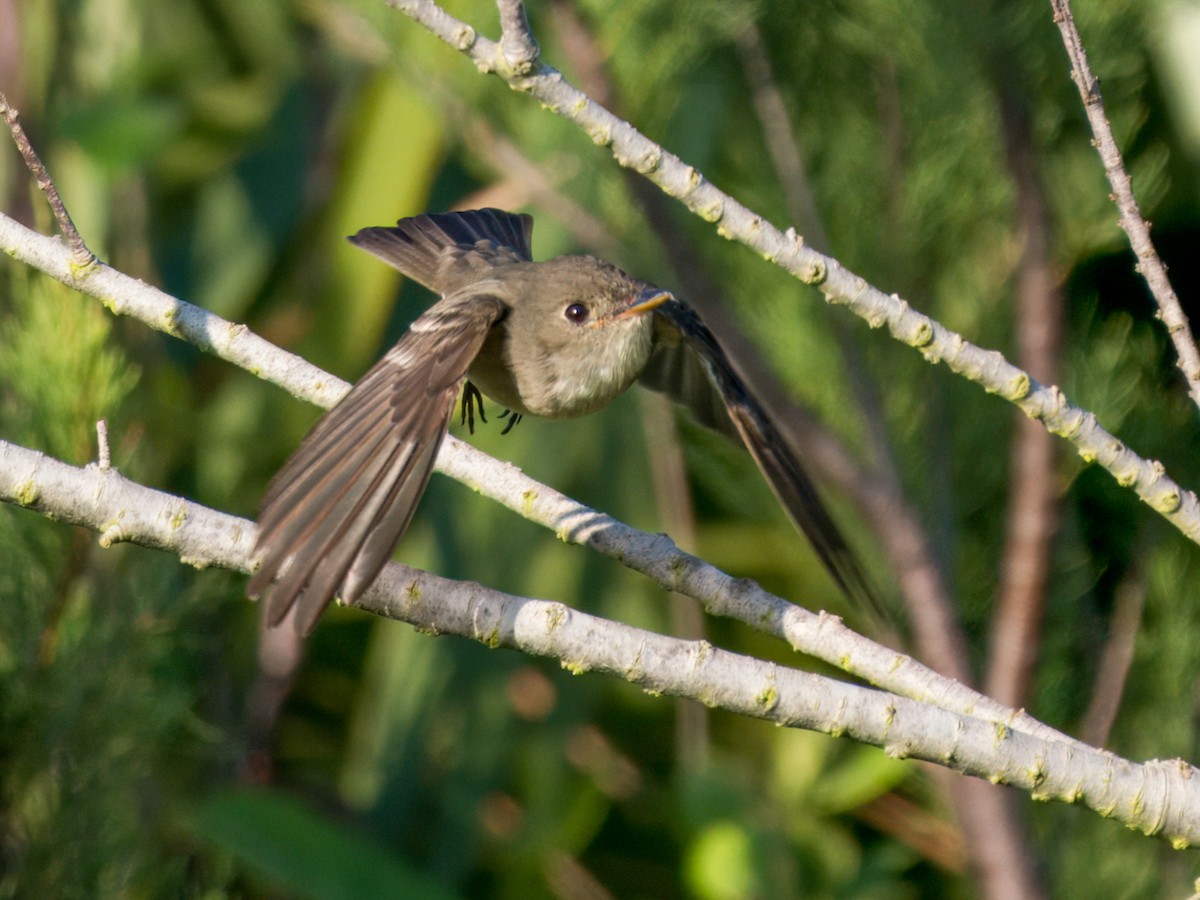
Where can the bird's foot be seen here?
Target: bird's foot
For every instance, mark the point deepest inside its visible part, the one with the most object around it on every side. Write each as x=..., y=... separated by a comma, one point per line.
x=513, y=419
x=470, y=398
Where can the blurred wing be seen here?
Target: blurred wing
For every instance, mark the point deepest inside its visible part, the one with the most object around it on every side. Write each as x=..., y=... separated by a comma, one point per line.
x=335, y=511
x=676, y=369
x=447, y=251
x=689, y=365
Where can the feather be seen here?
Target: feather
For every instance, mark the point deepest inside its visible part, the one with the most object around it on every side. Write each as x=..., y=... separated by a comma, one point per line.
x=334, y=513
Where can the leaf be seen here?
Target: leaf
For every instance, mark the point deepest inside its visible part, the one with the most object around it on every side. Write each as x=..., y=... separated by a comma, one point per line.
x=304, y=852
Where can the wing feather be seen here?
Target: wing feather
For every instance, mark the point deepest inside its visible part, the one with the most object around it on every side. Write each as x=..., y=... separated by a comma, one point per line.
x=447, y=251
x=684, y=349
x=332, y=516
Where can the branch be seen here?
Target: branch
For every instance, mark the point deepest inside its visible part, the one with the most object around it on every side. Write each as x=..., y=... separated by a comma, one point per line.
x=1014, y=644
x=81, y=256
x=1156, y=797
x=516, y=39
x=1149, y=266
x=1116, y=658
x=819, y=635
x=937, y=343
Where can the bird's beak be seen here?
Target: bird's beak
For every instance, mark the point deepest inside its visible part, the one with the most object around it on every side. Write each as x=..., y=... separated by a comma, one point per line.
x=643, y=301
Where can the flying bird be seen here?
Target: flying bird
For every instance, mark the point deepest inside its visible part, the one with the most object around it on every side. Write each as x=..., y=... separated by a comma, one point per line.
x=556, y=339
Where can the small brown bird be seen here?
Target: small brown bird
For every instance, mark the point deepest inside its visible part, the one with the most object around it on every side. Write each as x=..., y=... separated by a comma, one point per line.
x=557, y=339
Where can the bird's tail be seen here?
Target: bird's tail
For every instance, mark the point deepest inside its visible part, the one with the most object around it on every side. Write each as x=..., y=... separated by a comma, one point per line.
x=444, y=251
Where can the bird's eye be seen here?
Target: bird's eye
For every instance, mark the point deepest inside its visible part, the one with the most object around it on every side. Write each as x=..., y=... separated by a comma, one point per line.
x=576, y=313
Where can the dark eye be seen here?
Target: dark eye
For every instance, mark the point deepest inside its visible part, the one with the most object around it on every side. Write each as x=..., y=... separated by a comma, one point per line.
x=576, y=313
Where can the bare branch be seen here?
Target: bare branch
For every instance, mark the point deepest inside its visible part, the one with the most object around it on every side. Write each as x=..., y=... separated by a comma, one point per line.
x=103, y=454
x=1155, y=797
x=81, y=256
x=988, y=368
x=673, y=501
x=1149, y=266
x=516, y=39
x=126, y=296
x=778, y=136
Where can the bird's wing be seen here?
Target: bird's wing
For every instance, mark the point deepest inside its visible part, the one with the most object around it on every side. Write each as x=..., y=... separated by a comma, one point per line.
x=676, y=369
x=691, y=367
x=447, y=251
x=332, y=516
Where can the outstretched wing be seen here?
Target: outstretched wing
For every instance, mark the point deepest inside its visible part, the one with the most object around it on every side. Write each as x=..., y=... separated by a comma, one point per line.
x=335, y=511
x=447, y=251
x=689, y=365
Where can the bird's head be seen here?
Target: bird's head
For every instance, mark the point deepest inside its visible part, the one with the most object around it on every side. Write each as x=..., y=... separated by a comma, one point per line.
x=580, y=330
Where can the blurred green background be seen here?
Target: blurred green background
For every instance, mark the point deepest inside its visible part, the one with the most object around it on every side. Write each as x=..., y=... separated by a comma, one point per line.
x=222, y=148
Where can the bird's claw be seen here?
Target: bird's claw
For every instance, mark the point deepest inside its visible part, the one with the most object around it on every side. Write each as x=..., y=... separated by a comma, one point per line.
x=470, y=397
x=513, y=419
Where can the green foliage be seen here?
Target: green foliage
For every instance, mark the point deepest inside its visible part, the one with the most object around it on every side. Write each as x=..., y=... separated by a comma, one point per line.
x=304, y=852
x=222, y=149
x=60, y=372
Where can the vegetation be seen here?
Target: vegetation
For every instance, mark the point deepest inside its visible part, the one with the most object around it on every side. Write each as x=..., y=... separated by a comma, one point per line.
x=222, y=150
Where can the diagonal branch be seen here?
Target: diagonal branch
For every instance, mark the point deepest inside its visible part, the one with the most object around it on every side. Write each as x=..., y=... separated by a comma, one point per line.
x=1149, y=266
x=81, y=256
x=987, y=368
x=1156, y=797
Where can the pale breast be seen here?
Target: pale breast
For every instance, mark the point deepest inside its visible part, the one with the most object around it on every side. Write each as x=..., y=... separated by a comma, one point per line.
x=555, y=377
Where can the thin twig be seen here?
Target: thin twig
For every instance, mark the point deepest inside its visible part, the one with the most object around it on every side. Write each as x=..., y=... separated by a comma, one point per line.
x=1116, y=659
x=673, y=502
x=81, y=256
x=1149, y=266
x=779, y=136
x=103, y=454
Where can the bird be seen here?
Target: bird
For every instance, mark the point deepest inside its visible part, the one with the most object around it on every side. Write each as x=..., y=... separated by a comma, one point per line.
x=555, y=339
